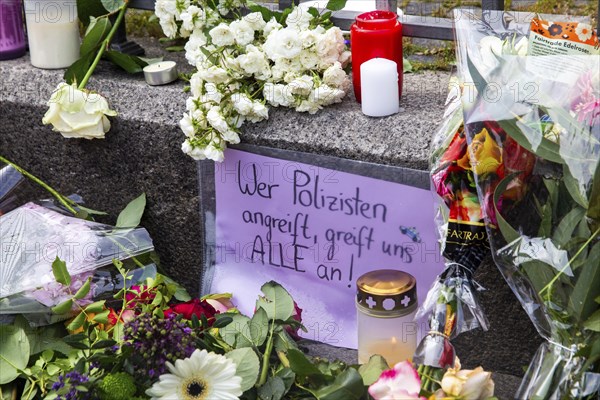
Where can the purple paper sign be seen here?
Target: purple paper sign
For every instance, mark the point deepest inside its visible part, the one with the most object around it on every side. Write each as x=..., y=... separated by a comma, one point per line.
x=315, y=231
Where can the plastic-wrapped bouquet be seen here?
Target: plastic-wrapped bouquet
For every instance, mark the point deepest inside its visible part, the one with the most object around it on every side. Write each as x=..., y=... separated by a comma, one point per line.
x=293, y=58
x=540, y=114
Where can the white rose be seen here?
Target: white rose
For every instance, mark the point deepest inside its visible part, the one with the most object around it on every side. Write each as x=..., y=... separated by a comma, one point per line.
x=308, y=59
x=284, y=43
x=214, y=74
x=302, y=86
x=222, y=35
x=278, y=94
x=181, y=6
x=308, y=106
x=335, y=76
x=193, y=18
x=345, y=58
x=216, y=120
x=326, y=95
x=196, y=153
x=231, y=136
x=254, y=61
x=309, y=38
x=78, y=114
x=271, y=26
x=242, y=103
x=299, y=19
x=242, y=31
x=214, y=151
x=255, y=20
x=187, y=125
x=330, y=46
x=211, y=93
x=169, y=27
x=193, y=48
x=259, y=112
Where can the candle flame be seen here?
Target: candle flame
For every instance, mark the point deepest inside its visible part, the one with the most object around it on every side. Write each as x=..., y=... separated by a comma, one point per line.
x=394, y=341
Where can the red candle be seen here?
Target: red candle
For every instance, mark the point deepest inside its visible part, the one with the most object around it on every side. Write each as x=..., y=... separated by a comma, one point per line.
x=375, y=34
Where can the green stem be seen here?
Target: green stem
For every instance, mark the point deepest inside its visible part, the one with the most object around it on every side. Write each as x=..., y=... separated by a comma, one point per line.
x=265, y=364
x=103, y=46
x=64, y=201
x=562, y=271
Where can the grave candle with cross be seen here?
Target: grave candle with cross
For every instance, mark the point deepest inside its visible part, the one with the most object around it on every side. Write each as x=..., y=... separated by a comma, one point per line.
x=386, y=301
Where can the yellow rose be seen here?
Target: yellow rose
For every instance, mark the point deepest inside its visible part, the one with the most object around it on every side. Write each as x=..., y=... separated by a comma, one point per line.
x=78, y=113
x=467, y=384
x=486, y=153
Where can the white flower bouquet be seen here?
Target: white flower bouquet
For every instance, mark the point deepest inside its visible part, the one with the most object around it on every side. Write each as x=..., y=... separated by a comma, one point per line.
x=245, y=63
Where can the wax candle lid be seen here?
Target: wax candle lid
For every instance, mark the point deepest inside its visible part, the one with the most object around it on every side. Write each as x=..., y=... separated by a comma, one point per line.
x=387, y=290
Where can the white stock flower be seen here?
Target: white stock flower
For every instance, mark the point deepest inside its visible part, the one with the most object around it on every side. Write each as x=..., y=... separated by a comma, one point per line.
x=242, y=31
x=212, y=93
x=259, y=112
x=299, y=19
x=308, y=106
x=278, y=94
x=193, y=18
x=284, y=43
x=180, y=7
x=271, y=26
x=214, y=151
x=214, y=74
x=187, y=125
x=255, y=20
x=222, y=35
x=196, y=84
x=77, y=113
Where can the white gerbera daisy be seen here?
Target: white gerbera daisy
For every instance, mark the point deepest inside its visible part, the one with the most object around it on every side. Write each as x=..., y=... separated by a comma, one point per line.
x=202, y=376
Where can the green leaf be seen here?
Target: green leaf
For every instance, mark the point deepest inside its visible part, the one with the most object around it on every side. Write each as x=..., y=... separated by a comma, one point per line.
x=247, y=366
x=63, y=307
x=371, y=371
x=61, y=274
x=407, y=66
x=288, y=377
x=95, y=307
x=76, y=72
x=593, y=323
x=77, y=322
x=273, y=389
x=573, y=188
x=130, y=64
x=594, y=208
x=222, y=321
x=86, y=9
x=97, y=31
x=314, y=12
x=84, y=290
x=277, y=302
x=567, y=225
x=237, y=333
x=336, y=5
x=546, y=149
x=587, y=288
x=510, y=235
x=90, y=211
x=14, y=352
x=112, y=5
x=265, y=12
x=102, y=317
x=347, y=386
x=259, y=327
x=301, y=365
x=103, y=344
x=132, y=214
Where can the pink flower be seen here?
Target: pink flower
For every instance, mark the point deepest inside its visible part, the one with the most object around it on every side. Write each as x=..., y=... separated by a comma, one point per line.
x=586, y=100
x=400, y=383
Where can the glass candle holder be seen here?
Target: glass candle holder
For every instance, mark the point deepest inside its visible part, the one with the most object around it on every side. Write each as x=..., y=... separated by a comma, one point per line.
x=375, y=34
x=53, y=32
x=12, y=34
x=386, y=302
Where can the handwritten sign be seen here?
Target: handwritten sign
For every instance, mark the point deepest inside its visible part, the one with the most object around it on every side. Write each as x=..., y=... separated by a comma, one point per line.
x=315, y=231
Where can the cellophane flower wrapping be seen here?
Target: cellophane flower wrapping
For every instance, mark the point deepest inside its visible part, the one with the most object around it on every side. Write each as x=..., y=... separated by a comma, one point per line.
x=33, y=236
x=531, y=103
x=10, y=180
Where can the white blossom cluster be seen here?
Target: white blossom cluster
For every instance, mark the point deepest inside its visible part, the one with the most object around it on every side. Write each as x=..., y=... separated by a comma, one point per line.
x=246, y=64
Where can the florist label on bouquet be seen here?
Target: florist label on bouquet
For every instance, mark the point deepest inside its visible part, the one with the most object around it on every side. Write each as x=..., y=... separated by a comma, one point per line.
x=315, y=231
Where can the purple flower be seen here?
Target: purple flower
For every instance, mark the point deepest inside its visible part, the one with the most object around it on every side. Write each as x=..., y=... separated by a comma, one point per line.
x=72, y=380
x=155, y=341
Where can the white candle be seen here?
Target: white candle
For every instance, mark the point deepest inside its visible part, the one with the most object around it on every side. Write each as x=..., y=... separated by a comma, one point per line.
x=53, y=33
x=160, y=73
x=379, y=87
